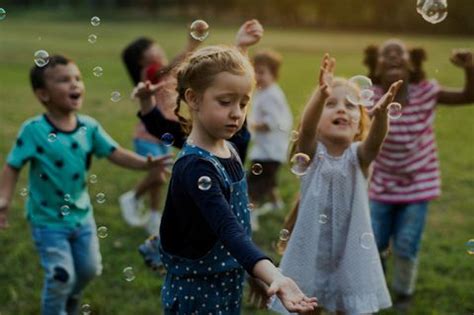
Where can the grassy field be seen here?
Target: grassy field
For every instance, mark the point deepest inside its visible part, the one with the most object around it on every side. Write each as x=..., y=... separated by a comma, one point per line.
x=446, y=278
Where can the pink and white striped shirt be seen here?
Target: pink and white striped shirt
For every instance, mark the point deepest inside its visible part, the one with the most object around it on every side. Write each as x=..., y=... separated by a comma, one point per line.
x=406, y=169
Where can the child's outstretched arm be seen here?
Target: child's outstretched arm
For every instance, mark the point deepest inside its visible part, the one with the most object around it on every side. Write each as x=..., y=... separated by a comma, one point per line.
x=370, y=147
x=8, y=180
x=312, y=112
x=248, y=34
x=464, y=59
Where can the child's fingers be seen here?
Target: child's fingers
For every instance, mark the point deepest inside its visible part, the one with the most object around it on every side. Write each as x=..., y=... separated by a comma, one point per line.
x=332, y=64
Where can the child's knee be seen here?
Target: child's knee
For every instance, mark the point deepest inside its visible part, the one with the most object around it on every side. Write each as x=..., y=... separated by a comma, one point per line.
x=60, y=280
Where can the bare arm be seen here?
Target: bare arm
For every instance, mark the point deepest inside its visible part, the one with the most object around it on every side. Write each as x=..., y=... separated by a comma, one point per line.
x=128, y=159
x=8, y=180
x=312, y=112
x=462, y=59
x=370, y=147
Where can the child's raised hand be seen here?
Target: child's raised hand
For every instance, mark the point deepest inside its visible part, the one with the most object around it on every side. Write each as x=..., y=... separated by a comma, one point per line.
x=291, y=296
x=382, y=105
x=462, y=58
x=159, y=167
x=326, y=74
x=146, y=89
x=249, y=34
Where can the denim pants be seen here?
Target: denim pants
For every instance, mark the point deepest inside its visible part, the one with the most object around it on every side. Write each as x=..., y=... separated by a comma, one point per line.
x=70, y=258
x=404, y=225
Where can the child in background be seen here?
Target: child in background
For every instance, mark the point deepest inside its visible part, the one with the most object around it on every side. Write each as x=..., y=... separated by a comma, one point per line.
x=271, y=122
x=406, y=172
x=205, y=231
x=158, y=125
x=59, y=146
x=146, y=60
x=331, y=252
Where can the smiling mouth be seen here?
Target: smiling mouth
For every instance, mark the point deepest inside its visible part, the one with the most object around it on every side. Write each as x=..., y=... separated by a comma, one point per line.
x=340, y=122
x=75, y=96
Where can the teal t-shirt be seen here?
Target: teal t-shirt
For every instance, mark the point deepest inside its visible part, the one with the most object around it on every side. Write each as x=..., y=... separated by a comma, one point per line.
x=59, y=163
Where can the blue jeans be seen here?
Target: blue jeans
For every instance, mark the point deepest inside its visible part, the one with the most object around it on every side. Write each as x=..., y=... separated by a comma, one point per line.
x=70, y=258
x=404, y=223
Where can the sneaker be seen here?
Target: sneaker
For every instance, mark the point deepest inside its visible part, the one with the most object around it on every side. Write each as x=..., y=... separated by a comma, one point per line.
x=279, y=205
x=254, y=221
x=150, y=251
x=130, y=207
x=153, y=224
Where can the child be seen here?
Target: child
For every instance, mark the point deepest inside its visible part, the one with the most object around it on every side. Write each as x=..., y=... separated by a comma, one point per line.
x=205, y=231
x=59, y=146
x=157, y=123
x=144, y=60
x=406, y=172
x=271, y=121
x=331, y=252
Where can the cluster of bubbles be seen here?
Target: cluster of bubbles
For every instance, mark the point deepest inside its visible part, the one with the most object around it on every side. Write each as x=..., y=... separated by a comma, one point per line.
x=199, y=30
x=433, y=11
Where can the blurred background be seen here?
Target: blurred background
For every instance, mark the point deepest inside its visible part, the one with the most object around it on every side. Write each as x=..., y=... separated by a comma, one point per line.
x=302, y=31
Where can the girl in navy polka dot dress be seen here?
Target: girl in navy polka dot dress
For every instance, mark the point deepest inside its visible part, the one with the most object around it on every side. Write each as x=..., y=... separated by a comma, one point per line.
x=205, y=231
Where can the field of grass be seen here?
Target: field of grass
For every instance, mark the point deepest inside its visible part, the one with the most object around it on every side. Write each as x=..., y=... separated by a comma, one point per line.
x=446, y=277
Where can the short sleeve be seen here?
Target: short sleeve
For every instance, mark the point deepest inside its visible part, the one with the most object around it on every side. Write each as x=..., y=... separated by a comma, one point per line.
x=23, y=149
x=103, y=144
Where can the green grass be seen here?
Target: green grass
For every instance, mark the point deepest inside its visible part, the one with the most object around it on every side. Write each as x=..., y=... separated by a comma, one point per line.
x=446, y=281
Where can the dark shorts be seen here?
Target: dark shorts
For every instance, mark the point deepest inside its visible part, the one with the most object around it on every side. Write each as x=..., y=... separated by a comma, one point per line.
x=260, y=186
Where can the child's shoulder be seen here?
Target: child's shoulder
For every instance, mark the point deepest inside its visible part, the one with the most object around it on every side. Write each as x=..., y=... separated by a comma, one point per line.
x=32, y=122
x=87, y=120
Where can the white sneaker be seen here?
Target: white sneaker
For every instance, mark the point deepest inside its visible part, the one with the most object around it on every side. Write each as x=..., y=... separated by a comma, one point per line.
x=153, y=224
x=130, y=207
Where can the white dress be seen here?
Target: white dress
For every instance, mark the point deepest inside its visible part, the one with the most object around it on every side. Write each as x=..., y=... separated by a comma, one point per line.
x=331, y=253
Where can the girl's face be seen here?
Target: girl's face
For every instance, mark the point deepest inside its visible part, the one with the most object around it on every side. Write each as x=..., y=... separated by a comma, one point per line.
x=393, y=61
x=340, y=118
x=220, y=111
x=154, y=55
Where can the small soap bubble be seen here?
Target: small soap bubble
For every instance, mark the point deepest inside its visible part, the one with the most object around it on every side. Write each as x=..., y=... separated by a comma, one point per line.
x=67, y=197
x=199, y=30
x=284, y=235
x=257, y=169
x=167, y=139
x=362, y=83
x=394, y=110
x=85, y=309
x=129, y=274
x=100, y=198
x=24, y=192
x=52, y=137
x=470, y=246
x=366, y=240
x=294, y=135
x=98, y=71
x=83, y=130
x=92, y=38
x=115, y=96
x=93, y=179
x=419, y=6
x=299, y=164
x=102, y=231
x=435, y=11
x=323, y=219
x=251, y=206
x=95, y=21
x=3, y=14
x=204, y=183
x=41, y=58
x=65, y=210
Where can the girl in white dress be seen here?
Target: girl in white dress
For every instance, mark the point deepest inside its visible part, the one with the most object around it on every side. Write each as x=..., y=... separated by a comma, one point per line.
x=331, y=253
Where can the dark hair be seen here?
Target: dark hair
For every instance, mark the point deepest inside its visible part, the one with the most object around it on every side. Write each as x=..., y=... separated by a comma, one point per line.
x=132, y=54
x=416, y=72
x=37, y=73
x=270, y=59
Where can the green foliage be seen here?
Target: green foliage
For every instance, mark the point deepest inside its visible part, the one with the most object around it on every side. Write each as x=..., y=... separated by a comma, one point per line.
x=445, y=284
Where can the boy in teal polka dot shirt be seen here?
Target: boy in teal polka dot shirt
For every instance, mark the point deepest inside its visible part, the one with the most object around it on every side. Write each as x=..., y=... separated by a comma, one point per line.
x=59, y=146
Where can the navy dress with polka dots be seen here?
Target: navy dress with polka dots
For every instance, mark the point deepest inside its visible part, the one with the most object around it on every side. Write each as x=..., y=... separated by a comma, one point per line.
x=211, y=284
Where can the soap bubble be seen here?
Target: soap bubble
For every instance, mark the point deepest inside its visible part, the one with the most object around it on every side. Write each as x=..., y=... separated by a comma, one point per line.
x=41, y=58
x=284, y=235
x=204, y=183
x=394, y=110
x=129, y=274
x=102, y=232
x=299, y=164
x=257, y=169
x=367, y=240
x=167, y=139
x=100, y=198
x=115, y=96
x=199, y=30
x=3, y=14
x=92, y=38
x=52, y=137
x=95, y=21
x=435, y=11
x=98, y=71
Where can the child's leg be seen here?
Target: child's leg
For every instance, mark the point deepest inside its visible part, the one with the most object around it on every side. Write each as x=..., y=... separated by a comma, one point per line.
x=57, y=261
x=409, y=226
x=153, y=225
x=382, y=216
x=87, y=262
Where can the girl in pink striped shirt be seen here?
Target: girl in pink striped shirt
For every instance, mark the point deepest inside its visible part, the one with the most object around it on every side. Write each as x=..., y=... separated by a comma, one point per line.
x=406, y=172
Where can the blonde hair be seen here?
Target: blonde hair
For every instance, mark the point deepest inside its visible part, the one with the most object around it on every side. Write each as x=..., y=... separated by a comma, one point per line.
x=198, y=71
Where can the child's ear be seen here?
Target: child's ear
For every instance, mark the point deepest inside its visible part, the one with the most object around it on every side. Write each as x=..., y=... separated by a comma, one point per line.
x=192, y=99
x=42, y=95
